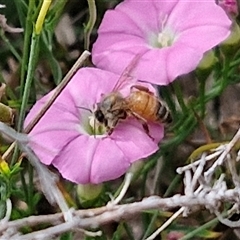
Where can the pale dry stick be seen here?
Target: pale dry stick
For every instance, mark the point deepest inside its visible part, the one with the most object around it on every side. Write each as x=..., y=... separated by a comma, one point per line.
x=156, y=177
x=2, y=90
x=220, y=181
x=166, y=224
x=47, y=178
x=91, y=234
x=11, y=133
x=9, y=150
x=198, y=172
x=92, y=218
x=53, y=219
x=127, y=181
x=48, y=183
x=219, y=161
x=8, y=211
x=238, y=156
x=180, y=170
x=199, y=189
x=187, y=182
x=48, y=233
x=55, y=230
x=57, y=91
x=232, y=168
x=227, y=222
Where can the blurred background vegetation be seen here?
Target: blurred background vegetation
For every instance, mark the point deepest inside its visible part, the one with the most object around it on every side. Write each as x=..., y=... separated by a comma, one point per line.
x=205, y=106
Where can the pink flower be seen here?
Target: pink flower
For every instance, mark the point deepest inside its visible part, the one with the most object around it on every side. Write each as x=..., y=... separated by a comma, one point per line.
x=64, y=136
x=173, y=34
x=230, y=6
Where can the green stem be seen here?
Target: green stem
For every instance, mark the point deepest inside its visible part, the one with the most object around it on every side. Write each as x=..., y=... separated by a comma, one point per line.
x=10, y=46
x=21, y=7
x=56, y=11
x=9, y=91
x=27, y=36
x=193, y=234
x=235, y=63
x=166, y=94
x=31, y=67
x=202, y=97
x=58, y=90
x=91, y=22
x=24, y=185
x=30, y=189
x=172, y=187
x=179, y=96
x=151, y=225
x=128, y=231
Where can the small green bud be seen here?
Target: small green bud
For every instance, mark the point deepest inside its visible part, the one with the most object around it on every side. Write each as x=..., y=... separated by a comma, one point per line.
x=6, y=114
x=232, y=43
x=206, y=65
x=42, y=15
x=88, y=193
x=4, y=168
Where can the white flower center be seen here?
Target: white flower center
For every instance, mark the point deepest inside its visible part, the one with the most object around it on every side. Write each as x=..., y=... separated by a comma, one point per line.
x=96, y=127
x=165, y=38
x=90, y=126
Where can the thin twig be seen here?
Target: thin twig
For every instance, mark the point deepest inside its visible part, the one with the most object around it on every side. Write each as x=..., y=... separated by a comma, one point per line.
x=93, y=218
x=8, y=211
x=47, y=105
x=91, y=22
x=127, y=181
x=58, y=90
x=166, y=224
x=46, y=178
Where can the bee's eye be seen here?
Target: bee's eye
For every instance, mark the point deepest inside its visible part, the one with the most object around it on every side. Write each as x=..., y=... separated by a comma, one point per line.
x=99, y=116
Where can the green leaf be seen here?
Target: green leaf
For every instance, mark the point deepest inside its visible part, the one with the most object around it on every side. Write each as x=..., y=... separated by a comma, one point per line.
x=53, y=63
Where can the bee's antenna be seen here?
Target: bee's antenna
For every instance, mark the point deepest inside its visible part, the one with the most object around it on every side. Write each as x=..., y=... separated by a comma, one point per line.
x=87, y=109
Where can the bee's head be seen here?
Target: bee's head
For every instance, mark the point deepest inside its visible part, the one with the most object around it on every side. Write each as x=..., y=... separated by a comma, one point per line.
x=100, y=116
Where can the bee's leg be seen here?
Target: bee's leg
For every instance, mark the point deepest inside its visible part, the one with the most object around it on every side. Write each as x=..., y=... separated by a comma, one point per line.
x=143, y=122
x=141, y=88
x=109, y=131
x=111, y=125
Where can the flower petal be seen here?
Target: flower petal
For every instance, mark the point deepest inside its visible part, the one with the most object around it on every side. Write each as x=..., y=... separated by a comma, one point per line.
x=74, y=161
x=59, y=124
x=52, y=133
x=139, y=144
x=60, y=137
x=109, y=162
x=128, y=30
x=98, y=160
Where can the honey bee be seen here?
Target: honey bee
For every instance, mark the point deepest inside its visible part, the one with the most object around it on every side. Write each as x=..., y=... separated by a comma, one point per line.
x=141, y=104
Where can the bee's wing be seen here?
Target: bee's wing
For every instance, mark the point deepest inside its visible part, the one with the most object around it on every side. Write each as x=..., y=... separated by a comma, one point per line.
x=126, y=77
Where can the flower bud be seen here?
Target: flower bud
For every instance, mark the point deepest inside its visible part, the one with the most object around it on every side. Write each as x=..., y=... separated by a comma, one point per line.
x=88, y=193
x=206, y=64
x=6, y=114
x=4, y=168
x=230, y=7
x=232, y=43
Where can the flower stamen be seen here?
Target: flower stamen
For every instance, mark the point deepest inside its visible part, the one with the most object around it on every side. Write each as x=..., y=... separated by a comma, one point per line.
x=96, y=127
